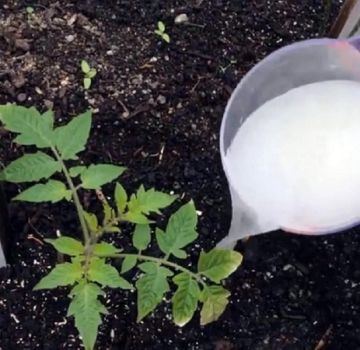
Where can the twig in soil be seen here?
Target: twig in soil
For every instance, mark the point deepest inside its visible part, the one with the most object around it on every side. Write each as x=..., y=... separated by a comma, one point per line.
x=196, y=85
x=322, y=343
x=32, y=237
x=126, y=112
x=138, y=151
x=146, y=66
x=31, y=221
x=140, y=109
x=161, y=152
x=202, y=26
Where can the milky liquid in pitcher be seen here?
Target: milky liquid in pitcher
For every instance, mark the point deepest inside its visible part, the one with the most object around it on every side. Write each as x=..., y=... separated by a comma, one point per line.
x=296, y=160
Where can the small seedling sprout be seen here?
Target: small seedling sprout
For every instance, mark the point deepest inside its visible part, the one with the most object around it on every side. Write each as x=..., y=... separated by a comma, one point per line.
x=161, y=32
x=29, y=10
x=89, y=74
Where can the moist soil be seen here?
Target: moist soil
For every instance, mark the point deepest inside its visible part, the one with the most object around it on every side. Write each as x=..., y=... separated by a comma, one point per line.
x=157, y=110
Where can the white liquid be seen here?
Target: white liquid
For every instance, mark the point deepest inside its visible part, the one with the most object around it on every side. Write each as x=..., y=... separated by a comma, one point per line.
x=296, y=159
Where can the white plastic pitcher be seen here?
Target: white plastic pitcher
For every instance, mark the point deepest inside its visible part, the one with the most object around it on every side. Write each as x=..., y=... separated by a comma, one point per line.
x=295, y=65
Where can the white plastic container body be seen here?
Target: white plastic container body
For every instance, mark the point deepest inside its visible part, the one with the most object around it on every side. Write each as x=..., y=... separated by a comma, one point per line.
x=295, y=65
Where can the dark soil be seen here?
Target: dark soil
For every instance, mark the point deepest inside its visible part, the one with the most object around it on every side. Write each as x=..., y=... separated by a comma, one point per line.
x=158, y=110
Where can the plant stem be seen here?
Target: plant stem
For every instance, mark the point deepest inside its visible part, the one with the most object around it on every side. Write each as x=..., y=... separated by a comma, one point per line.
x=75, y=196
x=161, y=261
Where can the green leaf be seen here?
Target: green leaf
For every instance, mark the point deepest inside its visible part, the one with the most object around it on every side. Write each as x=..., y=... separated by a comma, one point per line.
x=106, y=275
x=215, y=299
x=67, y=245
x=141, y=237
x=151, y=287
x=77, y=170
x=166, y=37
x=218, y=264
x=108, y=213
x=158, y=32
x=85, y=67
x=52, y=191
x=91, y=221
x=180, y=231
x=104, y=248
x=71, y=138
x=110, y=219
x=161, y=26
x=97, y=175
x=87, y=83
x=92, y=73
x=31, y=167
x=149, y=201
x=34, y=128
x=120, y=198
x=87, y=309
x=61, y=275
x=136, y=218
x=128, y=263
x=185, y=299
x=112, y=229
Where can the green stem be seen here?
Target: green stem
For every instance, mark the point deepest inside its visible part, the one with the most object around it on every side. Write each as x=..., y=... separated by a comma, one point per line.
x=161, y=261
x=76, y=199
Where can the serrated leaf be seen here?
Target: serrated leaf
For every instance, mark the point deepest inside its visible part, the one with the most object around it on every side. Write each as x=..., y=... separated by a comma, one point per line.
x=67, y=245
x=215, y=300
x=180, y=231
x=92, y=73
x=31, y=167
x=91, y=221
x=52, y=191
x=106, y=275
x=128, y=263
x=218, y=264
x=120, y=198
x=185, y=299
x=87, y=83
x=141, y=237
x=71, y=138
x=61, y=275
x=85, y=67
x=145, y=202
x=104, y=248
x=110, y=219
x=161, y=26
x=34, y=128
x=136, y=218
x=87, y=309
x=108, y=213
x=97, y=175
x=77, y=170
x=151, y=287
x=166, y=37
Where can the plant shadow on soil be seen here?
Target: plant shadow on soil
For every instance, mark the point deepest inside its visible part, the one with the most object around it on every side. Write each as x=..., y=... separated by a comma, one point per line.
x=158, y=110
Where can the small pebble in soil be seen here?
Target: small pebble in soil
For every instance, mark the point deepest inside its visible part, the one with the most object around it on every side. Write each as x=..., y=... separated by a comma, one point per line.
x=161, y=99
x=21, y=97
x=70, y=38
x=182, y=18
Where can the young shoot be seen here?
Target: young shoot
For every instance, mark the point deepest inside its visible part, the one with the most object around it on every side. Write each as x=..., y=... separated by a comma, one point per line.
x=89, y=74
x=55, y=170
x=29, y=10
x=161, y=32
